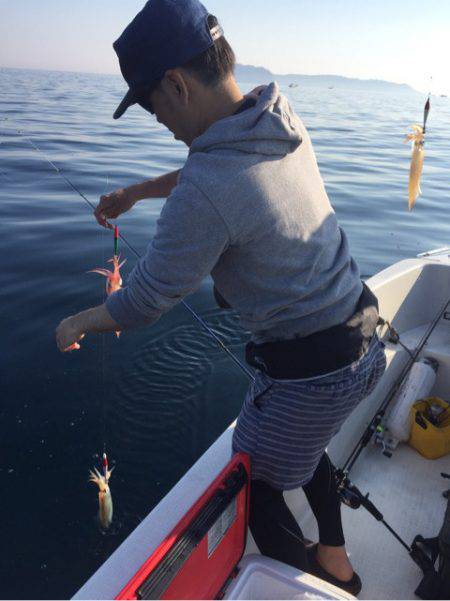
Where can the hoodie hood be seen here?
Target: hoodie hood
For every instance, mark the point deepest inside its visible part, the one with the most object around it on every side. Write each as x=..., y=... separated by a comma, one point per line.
x=269, y=128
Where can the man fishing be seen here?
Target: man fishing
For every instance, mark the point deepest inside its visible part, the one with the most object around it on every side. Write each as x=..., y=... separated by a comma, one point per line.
x=249, y=207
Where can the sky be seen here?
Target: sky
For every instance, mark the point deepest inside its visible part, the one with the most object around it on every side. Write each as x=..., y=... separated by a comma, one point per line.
x=405, y=41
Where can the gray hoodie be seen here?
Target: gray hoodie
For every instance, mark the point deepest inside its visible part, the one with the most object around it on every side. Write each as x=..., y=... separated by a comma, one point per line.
x=250, y=208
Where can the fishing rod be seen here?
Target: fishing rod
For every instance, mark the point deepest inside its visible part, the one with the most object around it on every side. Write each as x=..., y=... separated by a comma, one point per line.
x=197, y=317
x=376, y=420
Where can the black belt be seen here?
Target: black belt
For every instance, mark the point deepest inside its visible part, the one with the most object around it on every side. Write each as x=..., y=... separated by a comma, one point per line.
x=322, y=352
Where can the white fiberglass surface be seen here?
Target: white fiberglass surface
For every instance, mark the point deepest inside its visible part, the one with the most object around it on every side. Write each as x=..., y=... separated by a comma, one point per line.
x=407, y=489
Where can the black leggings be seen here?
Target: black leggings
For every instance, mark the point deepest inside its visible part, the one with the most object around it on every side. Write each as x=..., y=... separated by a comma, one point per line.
x=275, y=529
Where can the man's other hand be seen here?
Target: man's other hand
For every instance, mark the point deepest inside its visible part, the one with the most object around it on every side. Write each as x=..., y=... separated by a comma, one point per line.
x=114, y=204
x=68, y=335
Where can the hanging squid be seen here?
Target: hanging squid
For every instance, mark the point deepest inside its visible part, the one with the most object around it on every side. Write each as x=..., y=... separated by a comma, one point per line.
x=415, y=171
x=113, y=278
x=105, y=504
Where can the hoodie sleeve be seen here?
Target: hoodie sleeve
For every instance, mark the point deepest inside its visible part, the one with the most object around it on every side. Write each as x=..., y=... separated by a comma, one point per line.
x=190, y=237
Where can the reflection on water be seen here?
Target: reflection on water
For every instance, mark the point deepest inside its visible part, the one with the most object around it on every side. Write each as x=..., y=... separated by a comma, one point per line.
x=159, y=396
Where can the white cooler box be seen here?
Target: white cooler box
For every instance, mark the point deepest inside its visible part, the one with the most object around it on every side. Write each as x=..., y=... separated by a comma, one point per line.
x=260, y=577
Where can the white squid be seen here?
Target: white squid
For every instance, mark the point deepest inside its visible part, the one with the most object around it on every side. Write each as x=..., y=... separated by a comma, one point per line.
x=105, y=504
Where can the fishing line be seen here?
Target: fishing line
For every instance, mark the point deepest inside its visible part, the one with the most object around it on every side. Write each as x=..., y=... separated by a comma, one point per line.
x=197, y=317
x=103, y=341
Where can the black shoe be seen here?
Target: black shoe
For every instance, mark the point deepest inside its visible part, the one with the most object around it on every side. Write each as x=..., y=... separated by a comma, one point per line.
x=352, y=586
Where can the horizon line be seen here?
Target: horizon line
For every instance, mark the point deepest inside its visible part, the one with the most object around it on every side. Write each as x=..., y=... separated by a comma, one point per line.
x=109, y=73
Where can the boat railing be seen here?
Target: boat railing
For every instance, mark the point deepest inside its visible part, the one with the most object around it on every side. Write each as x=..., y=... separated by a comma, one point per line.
x=436, y=251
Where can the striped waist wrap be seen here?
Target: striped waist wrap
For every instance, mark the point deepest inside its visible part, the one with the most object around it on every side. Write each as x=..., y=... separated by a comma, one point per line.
x=286, y=425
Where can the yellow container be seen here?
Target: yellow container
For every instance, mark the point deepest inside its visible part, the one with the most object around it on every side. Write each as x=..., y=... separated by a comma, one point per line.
x=431, y=441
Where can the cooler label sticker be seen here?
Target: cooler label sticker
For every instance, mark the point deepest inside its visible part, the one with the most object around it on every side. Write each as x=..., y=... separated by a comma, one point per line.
x=217, y=532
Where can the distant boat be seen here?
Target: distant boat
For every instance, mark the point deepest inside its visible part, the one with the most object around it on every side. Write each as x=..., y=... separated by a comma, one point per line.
x=443, y=95
x=331, y=87
x=293, y=85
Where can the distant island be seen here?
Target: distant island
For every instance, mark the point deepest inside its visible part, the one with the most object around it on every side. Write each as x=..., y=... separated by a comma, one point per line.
x=261, y=75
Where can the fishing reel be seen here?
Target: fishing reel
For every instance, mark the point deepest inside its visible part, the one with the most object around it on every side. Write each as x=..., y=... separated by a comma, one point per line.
x=351, y=496
x=380, y=439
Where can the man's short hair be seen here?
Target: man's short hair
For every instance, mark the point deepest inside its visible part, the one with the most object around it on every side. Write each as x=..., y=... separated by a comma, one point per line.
x=215, y=64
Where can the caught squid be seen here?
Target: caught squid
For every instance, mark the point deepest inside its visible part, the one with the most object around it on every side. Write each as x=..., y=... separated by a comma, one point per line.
x=415, y=171
x=113, y=278
x=105, y=504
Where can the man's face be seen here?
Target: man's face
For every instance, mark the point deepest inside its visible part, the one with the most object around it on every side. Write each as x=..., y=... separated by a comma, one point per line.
x=172, y=105
x=165, y=111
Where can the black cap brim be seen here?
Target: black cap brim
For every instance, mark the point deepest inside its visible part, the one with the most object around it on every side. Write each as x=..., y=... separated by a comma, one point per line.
x=128, y=100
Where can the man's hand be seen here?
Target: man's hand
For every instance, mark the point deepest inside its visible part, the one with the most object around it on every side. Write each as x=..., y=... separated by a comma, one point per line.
x=114, y=204
x=73, y=329
x=68, y=334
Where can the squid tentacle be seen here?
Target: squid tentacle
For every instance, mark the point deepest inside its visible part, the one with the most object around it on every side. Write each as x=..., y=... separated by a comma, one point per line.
x=101, y=271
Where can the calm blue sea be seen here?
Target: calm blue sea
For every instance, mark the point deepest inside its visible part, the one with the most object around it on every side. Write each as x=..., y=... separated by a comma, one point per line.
x=157, y=397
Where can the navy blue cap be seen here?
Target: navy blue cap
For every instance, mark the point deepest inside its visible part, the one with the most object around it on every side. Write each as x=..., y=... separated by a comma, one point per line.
x=164, y=35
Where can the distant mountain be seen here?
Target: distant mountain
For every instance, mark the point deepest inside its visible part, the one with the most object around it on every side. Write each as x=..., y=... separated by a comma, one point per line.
x=250, y=74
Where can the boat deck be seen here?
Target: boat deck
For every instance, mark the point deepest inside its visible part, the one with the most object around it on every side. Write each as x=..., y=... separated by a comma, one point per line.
x=407, y=489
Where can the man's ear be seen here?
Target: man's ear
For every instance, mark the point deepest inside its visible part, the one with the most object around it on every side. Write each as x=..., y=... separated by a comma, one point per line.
x=176, y=85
